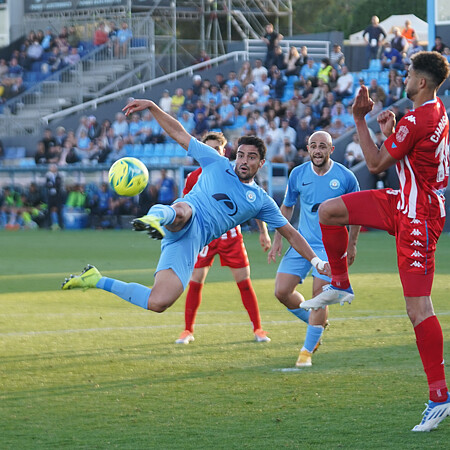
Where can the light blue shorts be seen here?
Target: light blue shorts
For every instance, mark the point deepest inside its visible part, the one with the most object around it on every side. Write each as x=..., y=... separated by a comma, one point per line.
x=294, y=264
x=179, y=250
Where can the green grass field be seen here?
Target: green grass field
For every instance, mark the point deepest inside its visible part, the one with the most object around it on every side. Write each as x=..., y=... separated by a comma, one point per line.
x=86, y=370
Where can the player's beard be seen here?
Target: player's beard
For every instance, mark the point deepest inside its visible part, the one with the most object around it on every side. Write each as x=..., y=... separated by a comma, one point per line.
x=248, y=176
x=321, y=164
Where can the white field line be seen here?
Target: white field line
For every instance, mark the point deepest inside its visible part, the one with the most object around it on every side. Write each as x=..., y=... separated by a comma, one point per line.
x=177, y=326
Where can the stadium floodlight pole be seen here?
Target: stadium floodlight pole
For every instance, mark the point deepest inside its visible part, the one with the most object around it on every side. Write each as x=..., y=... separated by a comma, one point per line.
x=431, y=19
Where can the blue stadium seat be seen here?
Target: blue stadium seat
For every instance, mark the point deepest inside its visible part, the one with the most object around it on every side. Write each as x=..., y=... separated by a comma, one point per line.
x=149, y=150
x=138, y=150
x=129, y=150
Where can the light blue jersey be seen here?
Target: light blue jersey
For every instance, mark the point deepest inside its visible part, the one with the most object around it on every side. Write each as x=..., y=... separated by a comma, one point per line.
x=219, y=202
x=313, y=189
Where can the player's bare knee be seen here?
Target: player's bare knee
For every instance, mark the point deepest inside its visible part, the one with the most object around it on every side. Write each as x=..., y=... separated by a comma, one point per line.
x=281, y=294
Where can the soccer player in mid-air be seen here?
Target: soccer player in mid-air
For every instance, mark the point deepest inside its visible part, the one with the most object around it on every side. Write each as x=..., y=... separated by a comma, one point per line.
x=414, y=214
x=224, y=197
x=231, y=249
x=313, y=182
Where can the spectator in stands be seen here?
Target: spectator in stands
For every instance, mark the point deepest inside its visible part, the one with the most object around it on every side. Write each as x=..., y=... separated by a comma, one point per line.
x=249, y=100
x=73, y=58
x=262, y=82
x=84, y=145
x=250, y=128
x=48, y=40
x=15, y=70
x=286, y=132
x=277, y=84
x=101, y=208
x=118, y=151
x=374, y=35
x=190, y=100
x=292, y=62
x=165, y=102
x=101, y=36
x=227, y=113
x=337, y=129
x=197, y=85
x=233, y=80
x=82, y=125
x=337, y=58
x=438, y=45
x=323, y=122
x=93, y=128
x=151, y=130
x=377, y=105
x=396, y=90
x=187, y=121
x=272, y=141
x=258, y=70
x=4, y=69
x=40, y=157
x=76, y=199
x=69, y=154
x=374, y=87
x=177, y=102
x=60, y=136
x=278, y=59
x=122, y=43
x=215, y=94
x=412, y=49
x=408, y=32
x=308, y=72
x=34, y=54
x=35, y=205
x=134, y=128
x=324, y=71
x=203, y=57
x=344, y=87
x=120, y=125
x=235, y=98
x=271, y=38
x=55, y=197
x=73, y=39
x=353, y=152
x=201, y=125
x=167, y=189
x=245, y=74
x=391, y=58
x=54, y=61
x=399, y=42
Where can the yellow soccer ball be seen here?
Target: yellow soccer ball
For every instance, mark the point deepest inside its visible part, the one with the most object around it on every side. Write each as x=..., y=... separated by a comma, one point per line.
x=128, y=176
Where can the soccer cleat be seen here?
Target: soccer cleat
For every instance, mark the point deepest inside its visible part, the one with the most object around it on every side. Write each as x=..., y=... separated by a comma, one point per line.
x=88, y=278
x=433, y=415
x=185, y=337
x=261, y=335
x=151, y=224
x=329, y=296
x=304, y=359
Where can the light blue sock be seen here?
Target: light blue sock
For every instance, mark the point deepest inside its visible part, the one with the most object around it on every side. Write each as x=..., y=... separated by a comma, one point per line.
x=301, y=313
x=54, y=217
x=313, y=335
x=167, y=213
x=131, y=292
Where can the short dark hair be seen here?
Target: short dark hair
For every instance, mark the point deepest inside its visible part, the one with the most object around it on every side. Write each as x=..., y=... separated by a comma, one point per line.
x=432, y=64
x=256, y=141
x=214, y=136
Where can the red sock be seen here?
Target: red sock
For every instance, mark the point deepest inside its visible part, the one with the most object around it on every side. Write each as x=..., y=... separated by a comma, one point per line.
x=193, y=300
x=335, y=240
x=250, y=302
x=430, y=343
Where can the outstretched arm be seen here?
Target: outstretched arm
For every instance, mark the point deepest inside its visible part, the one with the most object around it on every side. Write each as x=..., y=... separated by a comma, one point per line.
x=299, y=243
x=352, y=239
x=277, y=245
x=170, y=125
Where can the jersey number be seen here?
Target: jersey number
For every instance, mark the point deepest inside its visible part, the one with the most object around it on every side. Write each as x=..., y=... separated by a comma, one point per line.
x=442, y=152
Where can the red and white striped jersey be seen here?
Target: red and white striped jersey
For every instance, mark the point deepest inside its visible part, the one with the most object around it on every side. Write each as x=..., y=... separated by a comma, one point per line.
x=420, y=143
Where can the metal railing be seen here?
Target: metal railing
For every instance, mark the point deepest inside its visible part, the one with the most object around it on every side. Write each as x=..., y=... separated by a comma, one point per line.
x=142, y=87
x=316, y=49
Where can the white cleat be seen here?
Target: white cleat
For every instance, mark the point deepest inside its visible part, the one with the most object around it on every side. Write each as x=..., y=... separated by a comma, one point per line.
x=433, y=415
x=329, y=296
x=185, y=338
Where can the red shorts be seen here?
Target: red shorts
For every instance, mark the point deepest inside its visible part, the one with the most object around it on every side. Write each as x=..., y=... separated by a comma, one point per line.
x=415, y=238
x=231, y=249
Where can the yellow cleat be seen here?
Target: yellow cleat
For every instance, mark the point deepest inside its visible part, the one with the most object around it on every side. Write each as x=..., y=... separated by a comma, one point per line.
x=88, y=278
x=151, y=224
x=304, y=359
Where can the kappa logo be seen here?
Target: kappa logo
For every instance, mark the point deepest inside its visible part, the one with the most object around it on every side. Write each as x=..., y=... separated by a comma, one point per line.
x=229, y=204
x=412, y=119
x=416, y=264
x=417, y=254
x=416, y=222
x=416, y=243
x=416, y=232
x=402, y=133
